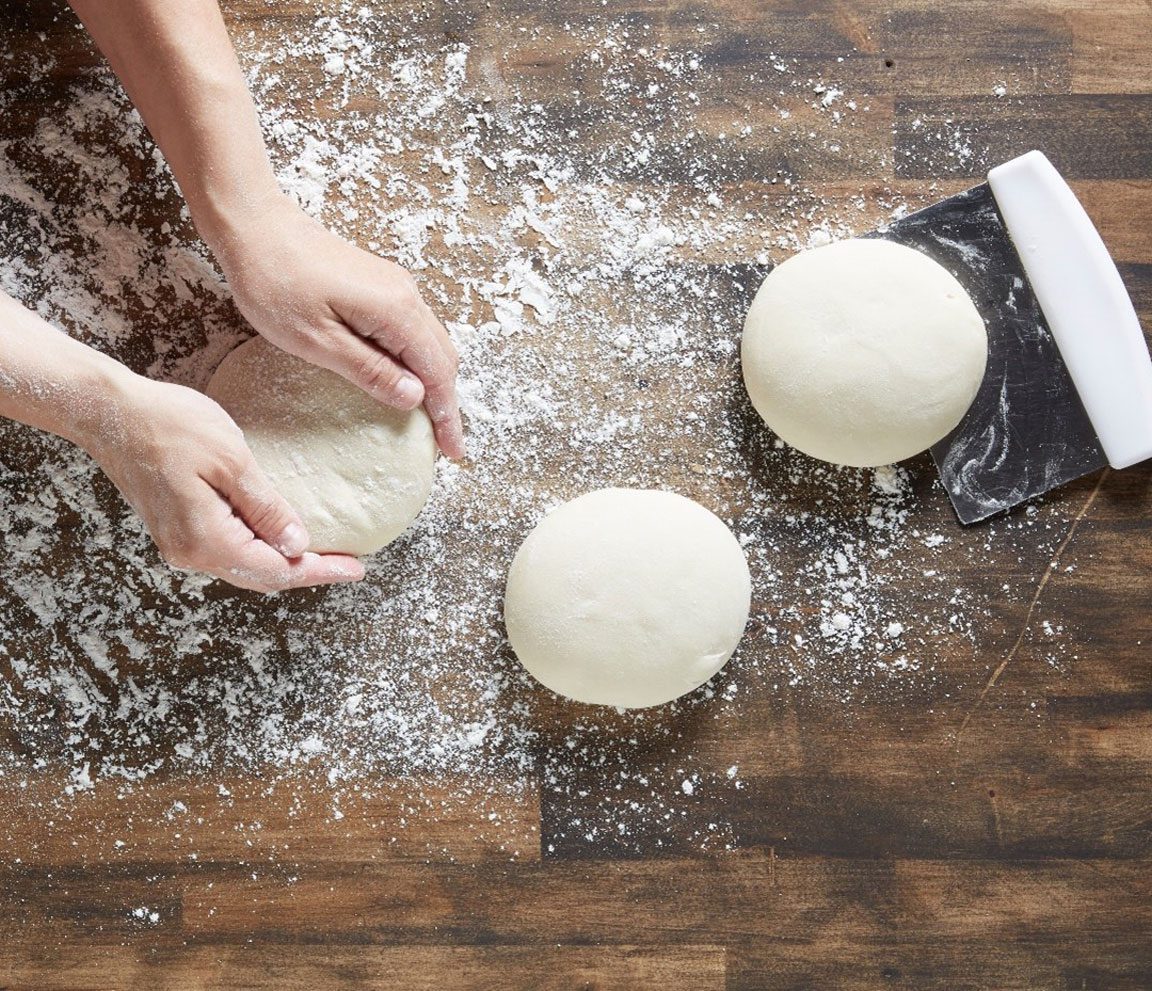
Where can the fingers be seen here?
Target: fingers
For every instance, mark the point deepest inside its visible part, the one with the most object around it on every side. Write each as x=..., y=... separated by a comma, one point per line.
x=440, y=402
x=260, y=568
x=437, y=369
x=265, y=512
x=367, y=367
x=221, y=544
x=440, y=331
x=399, y=324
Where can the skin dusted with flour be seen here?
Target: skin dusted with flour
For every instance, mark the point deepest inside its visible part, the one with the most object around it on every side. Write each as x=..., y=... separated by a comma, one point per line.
x=357, y=472
x=627, y=597
x=862, y=352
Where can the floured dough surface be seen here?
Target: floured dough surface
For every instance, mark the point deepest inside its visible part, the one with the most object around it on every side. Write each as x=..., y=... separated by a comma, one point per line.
x=863, y=352
x=357, y=472
x=627, y=597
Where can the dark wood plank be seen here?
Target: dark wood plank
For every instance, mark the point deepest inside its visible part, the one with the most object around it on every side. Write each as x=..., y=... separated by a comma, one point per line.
x=984, y=961
x=682, y=902
x=1087, y=136
x=759, y=899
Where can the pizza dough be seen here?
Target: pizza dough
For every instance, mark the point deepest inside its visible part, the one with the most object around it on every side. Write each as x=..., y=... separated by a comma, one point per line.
x=627, y=597
x=863, y=352
x=357, y=472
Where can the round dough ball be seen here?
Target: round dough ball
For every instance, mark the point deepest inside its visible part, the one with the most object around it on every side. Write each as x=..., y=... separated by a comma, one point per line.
x=627, y=597
x=357, y=472
x=863, y=352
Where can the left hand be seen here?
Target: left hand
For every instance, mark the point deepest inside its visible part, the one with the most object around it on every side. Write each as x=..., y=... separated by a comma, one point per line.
x=182, y=464
x=320, y=298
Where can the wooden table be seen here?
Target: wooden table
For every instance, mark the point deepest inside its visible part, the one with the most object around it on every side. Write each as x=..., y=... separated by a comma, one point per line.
x=991, y=829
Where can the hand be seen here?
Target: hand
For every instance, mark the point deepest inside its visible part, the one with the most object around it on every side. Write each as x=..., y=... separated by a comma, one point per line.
x=344, y=309
x=182, y=464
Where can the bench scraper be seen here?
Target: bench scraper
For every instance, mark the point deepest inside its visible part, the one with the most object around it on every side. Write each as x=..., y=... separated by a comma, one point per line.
x=1068, y=386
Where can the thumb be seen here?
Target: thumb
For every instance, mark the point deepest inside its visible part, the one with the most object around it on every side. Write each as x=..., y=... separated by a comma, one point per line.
x=266, y=513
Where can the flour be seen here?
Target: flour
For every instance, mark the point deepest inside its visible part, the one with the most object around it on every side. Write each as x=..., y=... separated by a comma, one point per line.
x=589, y=299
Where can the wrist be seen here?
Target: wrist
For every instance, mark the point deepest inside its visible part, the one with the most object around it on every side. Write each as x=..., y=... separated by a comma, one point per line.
x=54, y=382
x=104, y=393
x=228, y=223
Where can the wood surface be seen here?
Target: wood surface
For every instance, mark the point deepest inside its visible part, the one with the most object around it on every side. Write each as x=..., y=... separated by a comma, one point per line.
x=995, y=836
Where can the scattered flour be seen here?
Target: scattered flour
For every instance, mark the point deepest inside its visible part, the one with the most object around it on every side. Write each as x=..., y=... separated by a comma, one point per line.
x=598, y=310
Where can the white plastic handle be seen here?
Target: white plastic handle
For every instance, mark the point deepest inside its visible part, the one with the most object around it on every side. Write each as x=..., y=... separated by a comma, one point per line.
x=1084, y=300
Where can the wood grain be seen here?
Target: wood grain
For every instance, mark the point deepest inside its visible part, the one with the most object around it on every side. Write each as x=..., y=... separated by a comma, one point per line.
x=980, y=833
x=419, y=968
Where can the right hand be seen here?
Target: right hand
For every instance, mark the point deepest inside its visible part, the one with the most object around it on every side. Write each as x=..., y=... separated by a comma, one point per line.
x=182, y=463
x=330, y=303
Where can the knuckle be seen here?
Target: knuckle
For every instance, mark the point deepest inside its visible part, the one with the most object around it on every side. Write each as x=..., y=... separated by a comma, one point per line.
x=451, y=359
x=406, y=292
x=263, y=512
x=379, y=374
x=440, y=411
x=406, y=282
x=232, y=462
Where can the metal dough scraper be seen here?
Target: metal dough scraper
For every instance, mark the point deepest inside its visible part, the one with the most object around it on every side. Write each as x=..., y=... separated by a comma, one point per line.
x=1068, y=386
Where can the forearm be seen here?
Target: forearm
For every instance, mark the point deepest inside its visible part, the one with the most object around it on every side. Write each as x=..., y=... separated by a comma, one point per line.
x=306, y=290
x=175, y=60
x=51, y=381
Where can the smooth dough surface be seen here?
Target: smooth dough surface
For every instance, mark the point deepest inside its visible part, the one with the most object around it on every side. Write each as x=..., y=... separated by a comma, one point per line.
x=863, y=352
x=357, y=472
x=627, y=597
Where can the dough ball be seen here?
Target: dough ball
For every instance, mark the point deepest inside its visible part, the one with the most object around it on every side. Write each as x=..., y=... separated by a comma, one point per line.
x=357, y=472
x=863, y=352
x=627, y=597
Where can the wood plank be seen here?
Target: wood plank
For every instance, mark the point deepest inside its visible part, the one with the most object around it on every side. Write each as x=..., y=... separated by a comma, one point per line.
x=370, y=968
x=867, y=48
x=1120, y=211
x=106, y=905
x=1086, y=136
x=973, y=48
x=787, y=920
x=996, y=813
x=278, y=820
x=1110, y=46
x=992, y=961
x=748, y=897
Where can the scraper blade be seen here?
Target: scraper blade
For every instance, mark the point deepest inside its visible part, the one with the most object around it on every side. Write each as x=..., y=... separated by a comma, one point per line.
x=1027, y=431
x=1068, y=388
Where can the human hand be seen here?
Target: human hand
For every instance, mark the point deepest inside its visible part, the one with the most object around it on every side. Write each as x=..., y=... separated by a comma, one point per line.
x=182, y=464
x=332, y=304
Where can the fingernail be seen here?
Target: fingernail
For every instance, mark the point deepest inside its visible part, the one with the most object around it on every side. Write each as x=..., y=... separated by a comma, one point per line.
x=293, y=540
x=409, y=392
